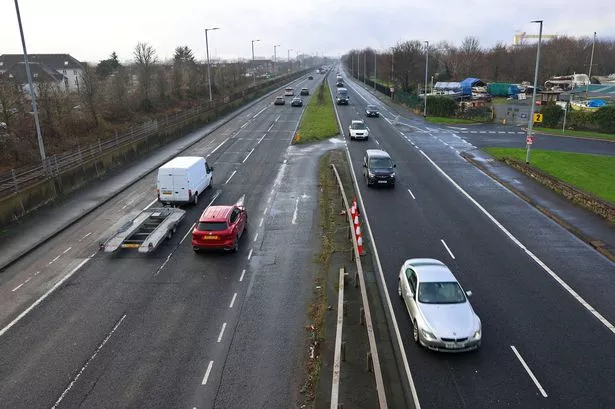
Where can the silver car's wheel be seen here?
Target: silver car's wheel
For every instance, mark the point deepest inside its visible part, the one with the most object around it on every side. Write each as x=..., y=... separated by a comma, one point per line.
x=236, y=245
x=399, y=288
x=196, y=198
x=415, y=332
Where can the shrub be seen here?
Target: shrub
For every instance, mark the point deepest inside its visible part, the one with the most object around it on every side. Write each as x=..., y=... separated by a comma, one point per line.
x=552, y=115
x=441, y=106
x=605, y=119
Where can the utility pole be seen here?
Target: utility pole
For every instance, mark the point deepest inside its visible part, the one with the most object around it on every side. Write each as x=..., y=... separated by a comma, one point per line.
x=288, y=58
x=364, y=65
x=375, y=61
x=528, y=139
x=275, y=63
x=591, y=63
x=41, y=146
x=208, y=64
x=426, y=70
x=253, y=67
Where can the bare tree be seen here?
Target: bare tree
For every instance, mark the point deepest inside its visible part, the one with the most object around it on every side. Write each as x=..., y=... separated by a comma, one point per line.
x=89, y=92
x=10, y=99
x=145, y=60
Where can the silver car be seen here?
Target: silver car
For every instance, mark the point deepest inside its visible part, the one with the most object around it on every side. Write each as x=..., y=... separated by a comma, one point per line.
x=441, y=315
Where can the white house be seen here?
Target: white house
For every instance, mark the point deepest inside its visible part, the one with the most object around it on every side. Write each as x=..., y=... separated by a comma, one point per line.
x=51, y=66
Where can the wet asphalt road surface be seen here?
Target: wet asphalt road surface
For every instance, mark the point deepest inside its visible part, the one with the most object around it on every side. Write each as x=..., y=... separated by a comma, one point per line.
x=176, y=329
x=514, y=276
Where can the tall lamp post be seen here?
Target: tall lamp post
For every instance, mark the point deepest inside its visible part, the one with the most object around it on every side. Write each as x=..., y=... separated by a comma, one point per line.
x=375, y=62
x=426, y=69
x=275, y=59
x=253, y=67
x=528, y=139
x=288, y=59
x=41, y=146
x=208, y=64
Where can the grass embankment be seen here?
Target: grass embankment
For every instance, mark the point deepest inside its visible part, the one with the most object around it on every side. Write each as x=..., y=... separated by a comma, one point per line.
x=581, y=134
x=442, y=120
x=591, y=173
x=318, y=120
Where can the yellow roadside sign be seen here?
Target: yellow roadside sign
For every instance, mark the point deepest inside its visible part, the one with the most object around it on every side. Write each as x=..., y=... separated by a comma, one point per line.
x=537, y=117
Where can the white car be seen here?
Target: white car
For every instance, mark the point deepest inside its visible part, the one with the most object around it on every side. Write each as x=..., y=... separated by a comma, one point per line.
x=358, y=130
x=441, y=314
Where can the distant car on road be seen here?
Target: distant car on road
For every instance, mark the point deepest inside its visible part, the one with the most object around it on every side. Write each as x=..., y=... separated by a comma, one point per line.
x=372, y=111
x=442, y=317
x=279, y=101
x=296, y=102
x=358, y=130
x=310, y=77
x=289, y=92
x=220, y=227
x=378, y=168
x=304, y=91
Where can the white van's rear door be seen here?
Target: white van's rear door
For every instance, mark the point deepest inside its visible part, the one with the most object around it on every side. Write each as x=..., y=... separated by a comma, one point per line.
x=180, y=188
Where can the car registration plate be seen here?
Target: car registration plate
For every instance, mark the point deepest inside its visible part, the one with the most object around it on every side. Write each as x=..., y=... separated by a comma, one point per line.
x=166, y=192
x=210, y=237
x=130, y=246
x=382, y=181
x=453, y=345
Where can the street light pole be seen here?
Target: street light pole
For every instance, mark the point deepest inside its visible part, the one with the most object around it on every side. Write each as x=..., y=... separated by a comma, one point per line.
x=591, y=62
x=275, y=59
x=375, y=61
x=253, y=67
x=364, y=65
x=288, y=59
x=528, y=141
x=41, y=146
x=208, y=64
x=426, y=70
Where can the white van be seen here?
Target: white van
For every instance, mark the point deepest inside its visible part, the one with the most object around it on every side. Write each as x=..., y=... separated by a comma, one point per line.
x=182, y=179
x=289, y=92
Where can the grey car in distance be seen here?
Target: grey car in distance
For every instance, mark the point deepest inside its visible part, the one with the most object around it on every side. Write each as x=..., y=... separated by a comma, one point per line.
x=441, y=314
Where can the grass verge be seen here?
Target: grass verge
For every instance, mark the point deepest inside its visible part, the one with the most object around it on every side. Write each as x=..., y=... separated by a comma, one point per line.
x=591, y=173
x=318, y=307
x=442, y=120
x=318, y=120
x=581, y=134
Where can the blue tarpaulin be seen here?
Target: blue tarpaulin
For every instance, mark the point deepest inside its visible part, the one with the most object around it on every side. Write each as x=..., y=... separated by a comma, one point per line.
x=596, y=103
x=468, y=83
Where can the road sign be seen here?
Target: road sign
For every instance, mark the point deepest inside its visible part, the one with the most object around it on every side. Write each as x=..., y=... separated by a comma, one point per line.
x=392, y=90
x=537, y=117
x=529, y=140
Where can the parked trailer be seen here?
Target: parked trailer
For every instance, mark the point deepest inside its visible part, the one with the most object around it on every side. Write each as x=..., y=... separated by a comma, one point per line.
x=146, y=231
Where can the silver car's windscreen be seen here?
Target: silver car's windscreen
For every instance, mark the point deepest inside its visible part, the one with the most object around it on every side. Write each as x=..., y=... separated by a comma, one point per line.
x=441, y=293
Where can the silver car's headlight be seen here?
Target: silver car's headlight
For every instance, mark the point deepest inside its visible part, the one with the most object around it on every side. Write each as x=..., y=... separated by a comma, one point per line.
x=428, y=335
x=477, y=335
x=393, y=174
x=370, y=174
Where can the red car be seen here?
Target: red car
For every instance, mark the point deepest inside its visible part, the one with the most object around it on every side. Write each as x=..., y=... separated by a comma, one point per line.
x=220, y=227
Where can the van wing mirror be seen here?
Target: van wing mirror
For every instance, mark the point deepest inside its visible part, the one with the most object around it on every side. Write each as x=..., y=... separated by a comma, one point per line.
x=394, y=165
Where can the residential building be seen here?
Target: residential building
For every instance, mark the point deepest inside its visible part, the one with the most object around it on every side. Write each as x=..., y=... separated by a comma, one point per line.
x=48, y=67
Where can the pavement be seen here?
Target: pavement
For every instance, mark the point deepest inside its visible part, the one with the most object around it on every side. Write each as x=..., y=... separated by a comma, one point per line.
x=543, y=294
x=173, y=329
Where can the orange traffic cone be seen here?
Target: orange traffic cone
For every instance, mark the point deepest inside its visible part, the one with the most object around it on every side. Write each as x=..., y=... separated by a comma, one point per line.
x=360, y=243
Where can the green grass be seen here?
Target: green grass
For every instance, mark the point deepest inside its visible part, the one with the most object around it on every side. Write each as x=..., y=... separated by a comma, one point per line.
x=592, y=173
x=583, y=134
x=318, y=120
x=442, y=120
x=500, y=101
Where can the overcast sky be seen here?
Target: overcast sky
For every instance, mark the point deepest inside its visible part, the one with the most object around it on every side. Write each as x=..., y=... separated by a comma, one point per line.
x=90, y=30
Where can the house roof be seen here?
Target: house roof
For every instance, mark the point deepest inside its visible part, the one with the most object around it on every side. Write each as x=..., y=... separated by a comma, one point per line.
x=40, y=73
x=55, y=61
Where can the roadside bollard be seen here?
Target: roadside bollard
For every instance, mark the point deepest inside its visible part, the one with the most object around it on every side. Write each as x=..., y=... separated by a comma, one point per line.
x=369, y=363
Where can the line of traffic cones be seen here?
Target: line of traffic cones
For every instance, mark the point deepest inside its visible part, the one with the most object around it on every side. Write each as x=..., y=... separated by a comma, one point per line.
x=354, y=212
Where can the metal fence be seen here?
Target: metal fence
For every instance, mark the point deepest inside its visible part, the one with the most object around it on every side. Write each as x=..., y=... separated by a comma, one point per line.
x=53, y=166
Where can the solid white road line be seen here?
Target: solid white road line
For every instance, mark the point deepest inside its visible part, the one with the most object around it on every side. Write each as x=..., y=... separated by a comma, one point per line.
x=233, y=300
x=294, y=221
x=207, y=372
x=243, y=273
x=221, y=332
x=529, y=371
x=411, y=194
x=260, y=112
x=246, y=158
x=150, y=204
x=219, y=146
x=187, y=233
x=255, y=237
x=67, y=250
x=538, y=261
x=250, y=254
x=100, y=346
x=229, y=178
x=447, y=249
